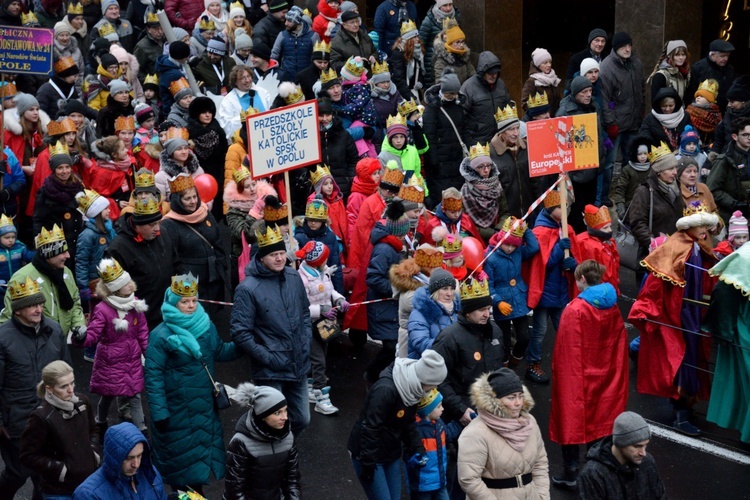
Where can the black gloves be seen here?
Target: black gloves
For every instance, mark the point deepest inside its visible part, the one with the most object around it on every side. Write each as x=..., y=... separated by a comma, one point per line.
x=367, y=474
x=79, y=334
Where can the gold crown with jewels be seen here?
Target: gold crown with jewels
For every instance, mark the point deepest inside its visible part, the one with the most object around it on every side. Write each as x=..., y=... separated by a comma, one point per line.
x=144, y=178
x=474, y=289
x=316, y=210
x=26, y=289
x=151, y=17
x=178, y=85
x=177, y=133
x=8, y=90
x=248, y=112
x=695, y=208
x=412, y=191
x=106, y=29
x=356, y=68
x=62, y=127
x=430, y=258
x=236, y=5
x=270, y=237
x=46, y=237
x=5, y=221
x=452, y=245
x=29, y=18
x=538, y=100
x=296, y=96
x=206, y=24
x=75, y=9
x=509, y=113
x=518, y=231
x=408, y=26
x=709, y=85
x=320, y=171
x=152, y=79
x=109, y=270
x=184, y=285
x=405, y=108
x=395, y=120
x=478, y=150
x=180, y=183
x=378, y=68
x=59, y=148
x=64, y=63
x=125, y=123
x=393, y=176
x=659, y=152
x=85, y=201
x=240, y=174
x=322, y=46
x=146, y=206
x=328, y=75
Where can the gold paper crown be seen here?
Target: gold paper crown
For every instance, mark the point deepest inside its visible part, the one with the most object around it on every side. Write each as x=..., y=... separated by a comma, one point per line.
x=598, y=218
x=695, y=208
x=180, y=183
x=144, y=178
x=236, y=5
x=474, y=289
x=178, y=85
x=320, y=172
x=109, y=270
x=75, y=9
x=125, y=123
x=240, y=174
x=393, y=176
x=378, y=68
x=405, y=108
x=276, y=214
x=29, y=18
x=412, y=191
x=509, y=113
x=322, y=46
x=152, y=79
x=106, y=29
x=316, y=210
x=429, y=258
x=248, y=112
x=518, y=231
x=538, y=100
x=328, y=75
x=353, y=67
x=64, y=63
x=62, y=127
x=270, y=237
x=453, y=204
x=59, y=148
x=296, y=96
x=146, y=206
x=151, y=17
x=408, y=26
x=46, y=237
x=85, y=201
x=184, y=285
x=5, y=221
x=177, y=133
x=8, y=90
x=709, y=85
x=659, y=152
x=307, y=13
x=26, y=289
x=478, y=150
x=452, y=245
x=395, y=120
x=206, y=24
x=552, y=199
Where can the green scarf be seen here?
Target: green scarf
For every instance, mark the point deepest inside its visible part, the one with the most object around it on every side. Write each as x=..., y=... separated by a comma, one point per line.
x=185, y=328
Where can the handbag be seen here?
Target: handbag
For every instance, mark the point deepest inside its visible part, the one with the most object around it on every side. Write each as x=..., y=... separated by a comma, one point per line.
x=463, y=146
x=627, y=246
x=327, y=329
x=221, y=398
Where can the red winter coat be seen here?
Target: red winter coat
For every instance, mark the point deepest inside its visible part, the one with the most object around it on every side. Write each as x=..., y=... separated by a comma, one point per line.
x=467, y=229
x=320, y=23
x=589, y=368
x=535, y=270
x=370, y=212
x=183, y=13
x=41, y=172
x=604, y=253
x=112, y=184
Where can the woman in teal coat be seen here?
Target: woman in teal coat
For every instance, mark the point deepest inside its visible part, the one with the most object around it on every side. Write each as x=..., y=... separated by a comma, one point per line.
x=187, y=437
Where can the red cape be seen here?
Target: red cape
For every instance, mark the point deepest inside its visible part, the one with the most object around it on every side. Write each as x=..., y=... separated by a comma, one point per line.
x=604, y=253
x=370, y=212
x=467, y=229
x=589, y=373
x=534, y=270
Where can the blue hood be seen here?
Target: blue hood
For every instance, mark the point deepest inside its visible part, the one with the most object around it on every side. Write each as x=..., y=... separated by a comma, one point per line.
x=378, y=233
x=602, y=296
x=430, y=309
x=163, y=63
x=118, y=441
x=544, y=219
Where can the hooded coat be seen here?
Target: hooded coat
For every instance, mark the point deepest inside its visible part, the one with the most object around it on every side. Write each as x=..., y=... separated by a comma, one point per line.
x=428, y=31
x=482, y=100
x=519, y=188
x=382, y=317
x=48, y=97
x=445, y=154
x=655, y=130
x=505, y=278
x=405, y=279
x=168, y=72
x=14, y=135
x=664, y=213
x=427, y=319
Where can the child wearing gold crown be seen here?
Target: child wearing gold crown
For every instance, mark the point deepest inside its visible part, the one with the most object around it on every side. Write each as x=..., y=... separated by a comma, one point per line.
x=112, y=175
x=93, y=240
x=326, y=187
x=704, y=113
x=597, y=243
x=315, y=228
x=119, y=104
x=396, y=146
x=13, y=253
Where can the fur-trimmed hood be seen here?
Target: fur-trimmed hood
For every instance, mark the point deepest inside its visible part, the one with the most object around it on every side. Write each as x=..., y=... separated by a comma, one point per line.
x=500, y=147
x=431, y=310
x=235, y=199
x=172, y=168
x=13, y=124
x=483, y=398
x=153, y=150
x=471, y=175
x=402, y=275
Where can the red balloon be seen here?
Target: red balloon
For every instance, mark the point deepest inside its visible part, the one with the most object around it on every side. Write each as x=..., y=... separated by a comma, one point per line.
x=473, y=252
x=206, y=186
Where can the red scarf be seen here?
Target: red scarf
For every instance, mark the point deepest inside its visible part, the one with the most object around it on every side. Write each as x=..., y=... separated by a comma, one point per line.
x=364, y=186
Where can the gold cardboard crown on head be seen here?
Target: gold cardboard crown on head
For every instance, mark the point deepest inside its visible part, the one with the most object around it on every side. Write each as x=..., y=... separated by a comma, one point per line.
x=538, y=100
x=85, y=201
x=393, y=176
x=316, y=210
x=412, y=191
x=64, y=63
x=296, y=96
x=106, y=29
x=270, y=237
x=110, y=271
x=552, y=199
x=236, y=5
x=452, y=245
x=125, y=123
x=184, y=285
x=598, y=218
x=62, y=127
x=26, y=289
x=75, y=9
x=693, y=209
x=474, y=289
x=177, y=133
x=5, y=221
x=178, y=85
x=46, y=237
x=59, y=148
x=180, y=183
x=29, y=18
x=322, y=46
x=429, y=258
x=146, y=206
x=453, y=204
x=378, y=68
x=408, y=26
x=276, y=214
x=508, y=227
x=240, y=174
x=405, y=108
x=508, y=113
x=320, y=171
x=151, y=17
x=659, y=152
x=153, y=79
x=354, y=67
x=144, y=178
x=328, y=75
x=709, y=85
x=478, y=150
x=248, y=112
x=8, y=90
x=395, y=120
x=206, y=24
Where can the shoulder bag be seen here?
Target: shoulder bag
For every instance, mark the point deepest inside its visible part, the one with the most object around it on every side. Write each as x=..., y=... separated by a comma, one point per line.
x=627, y=246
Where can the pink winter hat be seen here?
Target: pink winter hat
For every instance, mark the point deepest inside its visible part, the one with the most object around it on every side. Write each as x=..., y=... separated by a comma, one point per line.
x=737, y=225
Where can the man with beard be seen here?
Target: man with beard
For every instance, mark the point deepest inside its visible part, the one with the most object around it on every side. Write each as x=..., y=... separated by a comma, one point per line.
x=294, y=46
x=150, y=46
x=597, y=243
x=214, y=67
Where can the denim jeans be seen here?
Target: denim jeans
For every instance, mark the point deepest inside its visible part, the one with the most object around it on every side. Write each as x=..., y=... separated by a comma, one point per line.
x=534, y=351
x=56, y=497
x=386, y=483
x=441, y=494
x=298, y=402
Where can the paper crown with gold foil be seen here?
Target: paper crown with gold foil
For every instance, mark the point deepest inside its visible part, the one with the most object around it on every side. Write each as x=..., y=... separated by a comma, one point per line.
x=150, y=17
x=180, y=183
x=85, y=201
x=24, y=289
x=321, y=171
x=452, y=200
x=405, y=108
x=296, y=96
x=151, y=79
x=46, y=237
x=412, y=191
x=474, y=289
x=29, y=18
x=379, y=68
x=61, y=127
x=270, y=237
x=75, y=9
x=144, y=178
x=106, y=29
x=276, y=214
x=512, y=232
x=452, y=245
x=177, y=133
x=478, y=150
x=322, y=46
x=658, y=152
x=109, y=270
x=696, y=214
x=395, y=120
x=328, y=76
x=206, y=24
x=552, y=199
x=538, y=100
x=428, y=256
x=317, y=209
x=8, y=90
x=236, y=5
x=393, y=177
x=124, y=123
x=59, y=148
x=353, y=67
x=408, y=26
x=64, y=63
x=596, y=218
x=184, y=285
x=695, y=208
x=248, y=112
x=710, y=85
x=146, y=206
x=6, y=222
x=178, y=85
x=240, y=174
x=507, y=113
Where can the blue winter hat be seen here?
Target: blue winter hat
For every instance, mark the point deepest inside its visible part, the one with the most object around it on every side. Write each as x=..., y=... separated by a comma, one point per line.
x=429, y=402
x=6, y=225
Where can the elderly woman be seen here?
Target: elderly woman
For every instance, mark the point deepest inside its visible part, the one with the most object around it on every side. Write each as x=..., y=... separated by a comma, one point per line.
x=667, y=119
x=501, y=452
x=672, y=70
x=186, y=432
x=484, y=199
x=196, y=238
x=692, y=190
x=242, y=97
x=67, y=45
x=176, y=158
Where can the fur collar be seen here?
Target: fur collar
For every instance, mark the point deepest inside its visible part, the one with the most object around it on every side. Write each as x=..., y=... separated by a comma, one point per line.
x=501, y=148
x=235, y=199
x=402, y=275
x=171, y=168
x=153, y=150
x=483, y=397
x=13, y=124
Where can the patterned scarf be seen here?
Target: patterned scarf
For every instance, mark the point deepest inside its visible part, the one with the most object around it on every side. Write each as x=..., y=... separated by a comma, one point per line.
x=480, y=200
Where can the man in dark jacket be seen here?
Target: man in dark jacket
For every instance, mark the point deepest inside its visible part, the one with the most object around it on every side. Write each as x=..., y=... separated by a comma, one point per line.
x=268, y=28
x=388, y=18
x=294, y=46
x=337, y=147
x=10, y=13
x=214, y=66
x=728, y=180
x=147, y=255
x=306, y=78
x=738, y=106
x=111, y=15
x=149, y=47
x=715, y=65
x=350, y=41
x=169, y=69
x=597, y=40
x=618, y=467
x=484, y=93
x=271, y=323
x=28, y=343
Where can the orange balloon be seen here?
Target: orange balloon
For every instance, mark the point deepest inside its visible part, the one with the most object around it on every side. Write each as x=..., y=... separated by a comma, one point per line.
x=473, y=252
x=206, y=186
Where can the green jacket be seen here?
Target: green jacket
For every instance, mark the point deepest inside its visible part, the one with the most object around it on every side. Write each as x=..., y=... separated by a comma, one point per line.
x=725, y=180
x=624, y=186
x=67, y=319
x=407, y=158
x=240, y=223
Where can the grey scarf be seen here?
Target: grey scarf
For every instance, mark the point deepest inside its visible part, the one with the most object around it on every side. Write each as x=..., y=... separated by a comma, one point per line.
x=67, y=408
x=671, y=190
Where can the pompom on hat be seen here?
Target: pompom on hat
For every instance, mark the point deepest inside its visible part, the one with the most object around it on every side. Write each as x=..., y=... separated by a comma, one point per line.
x=737, y=225
x=396, y=221
x=314, y=253
x=262, y=399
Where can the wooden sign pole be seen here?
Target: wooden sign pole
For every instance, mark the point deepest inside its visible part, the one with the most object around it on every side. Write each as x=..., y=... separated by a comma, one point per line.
x=563, y=190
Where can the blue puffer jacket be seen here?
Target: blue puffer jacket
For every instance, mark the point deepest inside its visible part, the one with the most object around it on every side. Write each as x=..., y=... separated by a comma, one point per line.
x=506, y=282
x=427, y=319
x=382, y=318
x=14, y=181
x=271, y=322
x=387, y=22
x=330, y=240
x=168, y=72
x=11, y=260
x=555, y=293
x=435, y=435
x=90, y=250
x=294, y=52
x=108, y=482
x=601, y=296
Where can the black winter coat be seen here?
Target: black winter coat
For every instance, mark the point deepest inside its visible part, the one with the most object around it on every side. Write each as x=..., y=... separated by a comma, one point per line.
x=444, y=157
x=654, y=130
x=481, y=101
x=725, y=180
x=48, y=212
x=705, y=69
x=665, y=213
x=574, y=65
x=306, y=79
x=520, y=190
x=398, y=64
x=48, y=97
x=105, y=122
x=385, y=425
x=604, y=478
x=459, y=344
x=382, y=317
x=266, y=31
x=723, y=134
x=340, y=154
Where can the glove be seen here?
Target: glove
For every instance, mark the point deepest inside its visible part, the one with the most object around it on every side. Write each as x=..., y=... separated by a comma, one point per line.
x=505, y=308
x=79, y=334
x=620, y=210
x=418, y=86
x=417, y=461
x=569, y=263
x=565, y=243
x=330, y=313
x=613, y=131
x=369, y=133
x=608, y=144
x=85, y=294
x=4, y=195
x=367, y=474
x=162, y=425
x=343, y=306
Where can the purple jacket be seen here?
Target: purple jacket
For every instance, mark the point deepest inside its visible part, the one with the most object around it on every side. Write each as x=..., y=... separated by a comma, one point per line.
x=117, y=366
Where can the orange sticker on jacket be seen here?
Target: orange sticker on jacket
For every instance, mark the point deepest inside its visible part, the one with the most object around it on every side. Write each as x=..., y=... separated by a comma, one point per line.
x=400, y=414
x=477, y=355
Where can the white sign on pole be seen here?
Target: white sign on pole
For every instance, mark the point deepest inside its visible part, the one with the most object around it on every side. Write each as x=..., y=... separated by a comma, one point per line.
x=283, y=139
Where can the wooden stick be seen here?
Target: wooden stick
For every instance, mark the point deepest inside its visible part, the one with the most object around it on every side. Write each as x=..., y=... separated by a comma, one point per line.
x=289, y=212
x=563, y=190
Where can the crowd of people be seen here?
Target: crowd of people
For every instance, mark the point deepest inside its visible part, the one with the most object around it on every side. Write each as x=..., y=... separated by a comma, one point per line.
x=420, y=228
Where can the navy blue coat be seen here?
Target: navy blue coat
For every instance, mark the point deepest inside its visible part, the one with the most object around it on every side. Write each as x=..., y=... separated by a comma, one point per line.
x=502, y=269
x=387, y=23
x=168, y=72
x=382, y=317
x=330, y=240
x=271, y=322
x=427, y=319
x=294, y=52
x=555, y=292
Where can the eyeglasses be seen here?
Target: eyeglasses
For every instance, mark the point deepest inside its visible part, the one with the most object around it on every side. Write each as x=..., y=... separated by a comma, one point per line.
x=745, y=135
x=459, y=42
x=485, y=166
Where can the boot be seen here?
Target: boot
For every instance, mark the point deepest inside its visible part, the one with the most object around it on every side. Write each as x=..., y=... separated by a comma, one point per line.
x=535, y=373
x=310, y=391
x=682, y=423
x=323, y=402
x=568, y=480
x=513, y=362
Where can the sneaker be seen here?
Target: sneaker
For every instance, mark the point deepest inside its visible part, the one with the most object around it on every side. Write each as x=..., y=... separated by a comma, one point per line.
x=310, y=391
x=323, y=402
x=535, y=373
x=568, y=480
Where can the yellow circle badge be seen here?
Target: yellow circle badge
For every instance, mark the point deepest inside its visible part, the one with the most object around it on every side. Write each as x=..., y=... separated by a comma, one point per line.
x=67, y=216
x=477, y=355
x=400, y=414
x=321, y=288
x=102, y=240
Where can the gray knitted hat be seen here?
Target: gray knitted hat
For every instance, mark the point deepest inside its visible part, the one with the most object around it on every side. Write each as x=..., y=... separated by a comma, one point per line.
x=630, y=428
x=24, y=102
